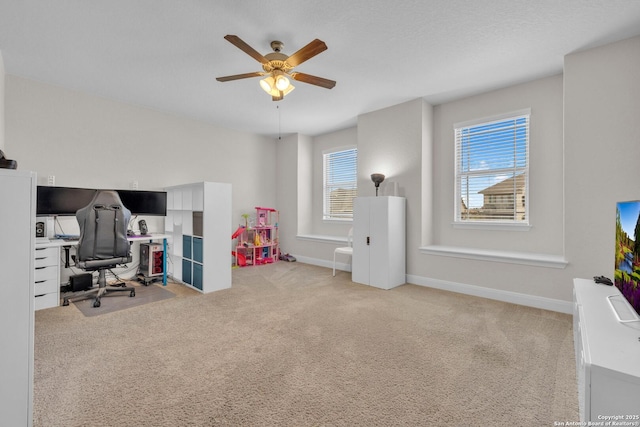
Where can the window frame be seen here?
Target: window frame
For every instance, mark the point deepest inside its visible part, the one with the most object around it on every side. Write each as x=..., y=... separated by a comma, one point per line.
x=326, y=202
x=497, y=224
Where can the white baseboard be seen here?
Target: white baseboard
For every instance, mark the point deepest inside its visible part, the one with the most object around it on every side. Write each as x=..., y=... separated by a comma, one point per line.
x=324, y=263
x=495, y=294
x=462, y=288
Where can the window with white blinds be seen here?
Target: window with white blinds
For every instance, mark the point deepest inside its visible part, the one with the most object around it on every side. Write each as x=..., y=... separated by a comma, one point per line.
x=492, y=170
x=339, y=183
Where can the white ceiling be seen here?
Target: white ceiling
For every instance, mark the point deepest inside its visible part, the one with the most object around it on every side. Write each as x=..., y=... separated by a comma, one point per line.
x=165, y=54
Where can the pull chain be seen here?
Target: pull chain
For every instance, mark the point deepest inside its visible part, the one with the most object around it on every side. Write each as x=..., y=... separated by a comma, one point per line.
x=279, y=123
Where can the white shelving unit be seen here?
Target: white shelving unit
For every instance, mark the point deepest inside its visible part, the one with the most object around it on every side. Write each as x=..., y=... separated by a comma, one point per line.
x=379, y=241
x=607, y=344
x=17, y=227
x=199, y=223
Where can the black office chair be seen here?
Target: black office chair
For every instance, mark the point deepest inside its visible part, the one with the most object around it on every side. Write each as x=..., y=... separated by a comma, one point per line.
x=103, y=242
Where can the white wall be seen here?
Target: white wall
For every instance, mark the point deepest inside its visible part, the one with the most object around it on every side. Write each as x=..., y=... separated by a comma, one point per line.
x=602, y=150
x=390, y=142
x=545, y=237
x=544, y=97
x=287, y=195
x=2, y=84
x=294, y=199
x=87, y=141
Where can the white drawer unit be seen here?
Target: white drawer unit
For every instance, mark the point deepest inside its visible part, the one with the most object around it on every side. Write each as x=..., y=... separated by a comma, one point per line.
x=46, y=276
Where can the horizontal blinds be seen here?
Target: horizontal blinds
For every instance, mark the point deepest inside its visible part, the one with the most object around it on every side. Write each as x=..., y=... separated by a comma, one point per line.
x=340, y=183
x=492, y=170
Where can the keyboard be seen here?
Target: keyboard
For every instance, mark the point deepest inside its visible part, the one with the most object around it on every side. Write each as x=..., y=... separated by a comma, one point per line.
x=68, y=237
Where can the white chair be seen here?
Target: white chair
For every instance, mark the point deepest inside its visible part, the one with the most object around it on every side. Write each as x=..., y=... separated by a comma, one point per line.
x=348, y=250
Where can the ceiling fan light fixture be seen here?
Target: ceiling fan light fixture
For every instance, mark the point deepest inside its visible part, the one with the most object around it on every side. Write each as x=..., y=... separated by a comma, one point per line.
x=278, y=67
x=268, y=85
x=279, y=94
x=282, y=82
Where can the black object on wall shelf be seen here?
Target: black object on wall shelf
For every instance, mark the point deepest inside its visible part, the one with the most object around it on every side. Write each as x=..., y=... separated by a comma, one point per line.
x=6, y=163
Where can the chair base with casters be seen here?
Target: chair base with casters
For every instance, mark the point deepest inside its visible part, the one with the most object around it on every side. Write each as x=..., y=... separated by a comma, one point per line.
x=103, y=289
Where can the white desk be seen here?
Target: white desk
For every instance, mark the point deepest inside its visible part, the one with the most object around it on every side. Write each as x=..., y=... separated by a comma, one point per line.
x=47, y=266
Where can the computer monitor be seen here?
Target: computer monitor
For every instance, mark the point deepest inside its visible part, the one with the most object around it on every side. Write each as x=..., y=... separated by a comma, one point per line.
x=62, y=200
x=148, y=203
x=67, y=200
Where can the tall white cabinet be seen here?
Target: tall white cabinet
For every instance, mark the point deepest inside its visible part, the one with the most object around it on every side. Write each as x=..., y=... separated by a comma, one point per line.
x=199, y=223
x=379, y=238
x=606, y=333
x=17, y=228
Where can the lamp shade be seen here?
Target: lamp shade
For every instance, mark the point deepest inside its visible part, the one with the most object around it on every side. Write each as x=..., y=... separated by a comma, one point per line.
x=268, y=84
x=282, y=82
x=377, y=178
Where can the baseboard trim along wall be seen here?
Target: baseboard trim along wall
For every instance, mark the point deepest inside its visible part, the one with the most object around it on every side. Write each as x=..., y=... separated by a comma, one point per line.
x=495, y=294
x=324, y=263
x=462, y=288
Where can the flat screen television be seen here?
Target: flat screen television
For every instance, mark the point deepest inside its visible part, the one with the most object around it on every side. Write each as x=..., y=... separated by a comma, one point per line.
x=66, y=201
x=627, y=272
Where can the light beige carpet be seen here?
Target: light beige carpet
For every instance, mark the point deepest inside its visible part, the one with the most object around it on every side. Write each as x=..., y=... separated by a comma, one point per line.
x=289, y=345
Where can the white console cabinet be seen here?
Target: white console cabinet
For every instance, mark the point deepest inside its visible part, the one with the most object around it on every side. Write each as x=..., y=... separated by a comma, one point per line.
x=379, y=241
x=17, y=227
x=606, y=332
x=199, y=222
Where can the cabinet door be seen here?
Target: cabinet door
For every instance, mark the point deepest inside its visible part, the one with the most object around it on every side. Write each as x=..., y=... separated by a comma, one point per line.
x=361, y=249
x=379, y=242
x=17, y=227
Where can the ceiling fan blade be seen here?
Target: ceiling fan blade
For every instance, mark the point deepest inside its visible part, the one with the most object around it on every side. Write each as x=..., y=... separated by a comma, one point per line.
x=239, y=76
x=240, y=44
x=309, y=51
x=318, y=81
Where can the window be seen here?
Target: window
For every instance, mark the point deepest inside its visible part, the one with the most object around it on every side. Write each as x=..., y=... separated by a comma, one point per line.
x=492, y=170
x=340, y=183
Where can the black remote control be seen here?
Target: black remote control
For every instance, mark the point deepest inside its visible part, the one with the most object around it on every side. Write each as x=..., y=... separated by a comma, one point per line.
x=603, y=280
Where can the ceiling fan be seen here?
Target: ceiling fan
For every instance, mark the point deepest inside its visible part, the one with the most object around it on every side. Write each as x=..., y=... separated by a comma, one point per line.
x=278, y=67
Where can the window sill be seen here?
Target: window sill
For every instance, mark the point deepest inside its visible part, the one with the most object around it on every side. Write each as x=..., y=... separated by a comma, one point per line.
x=511, y=257
x=337, y=220
x=491, y=226
x=322, y=238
